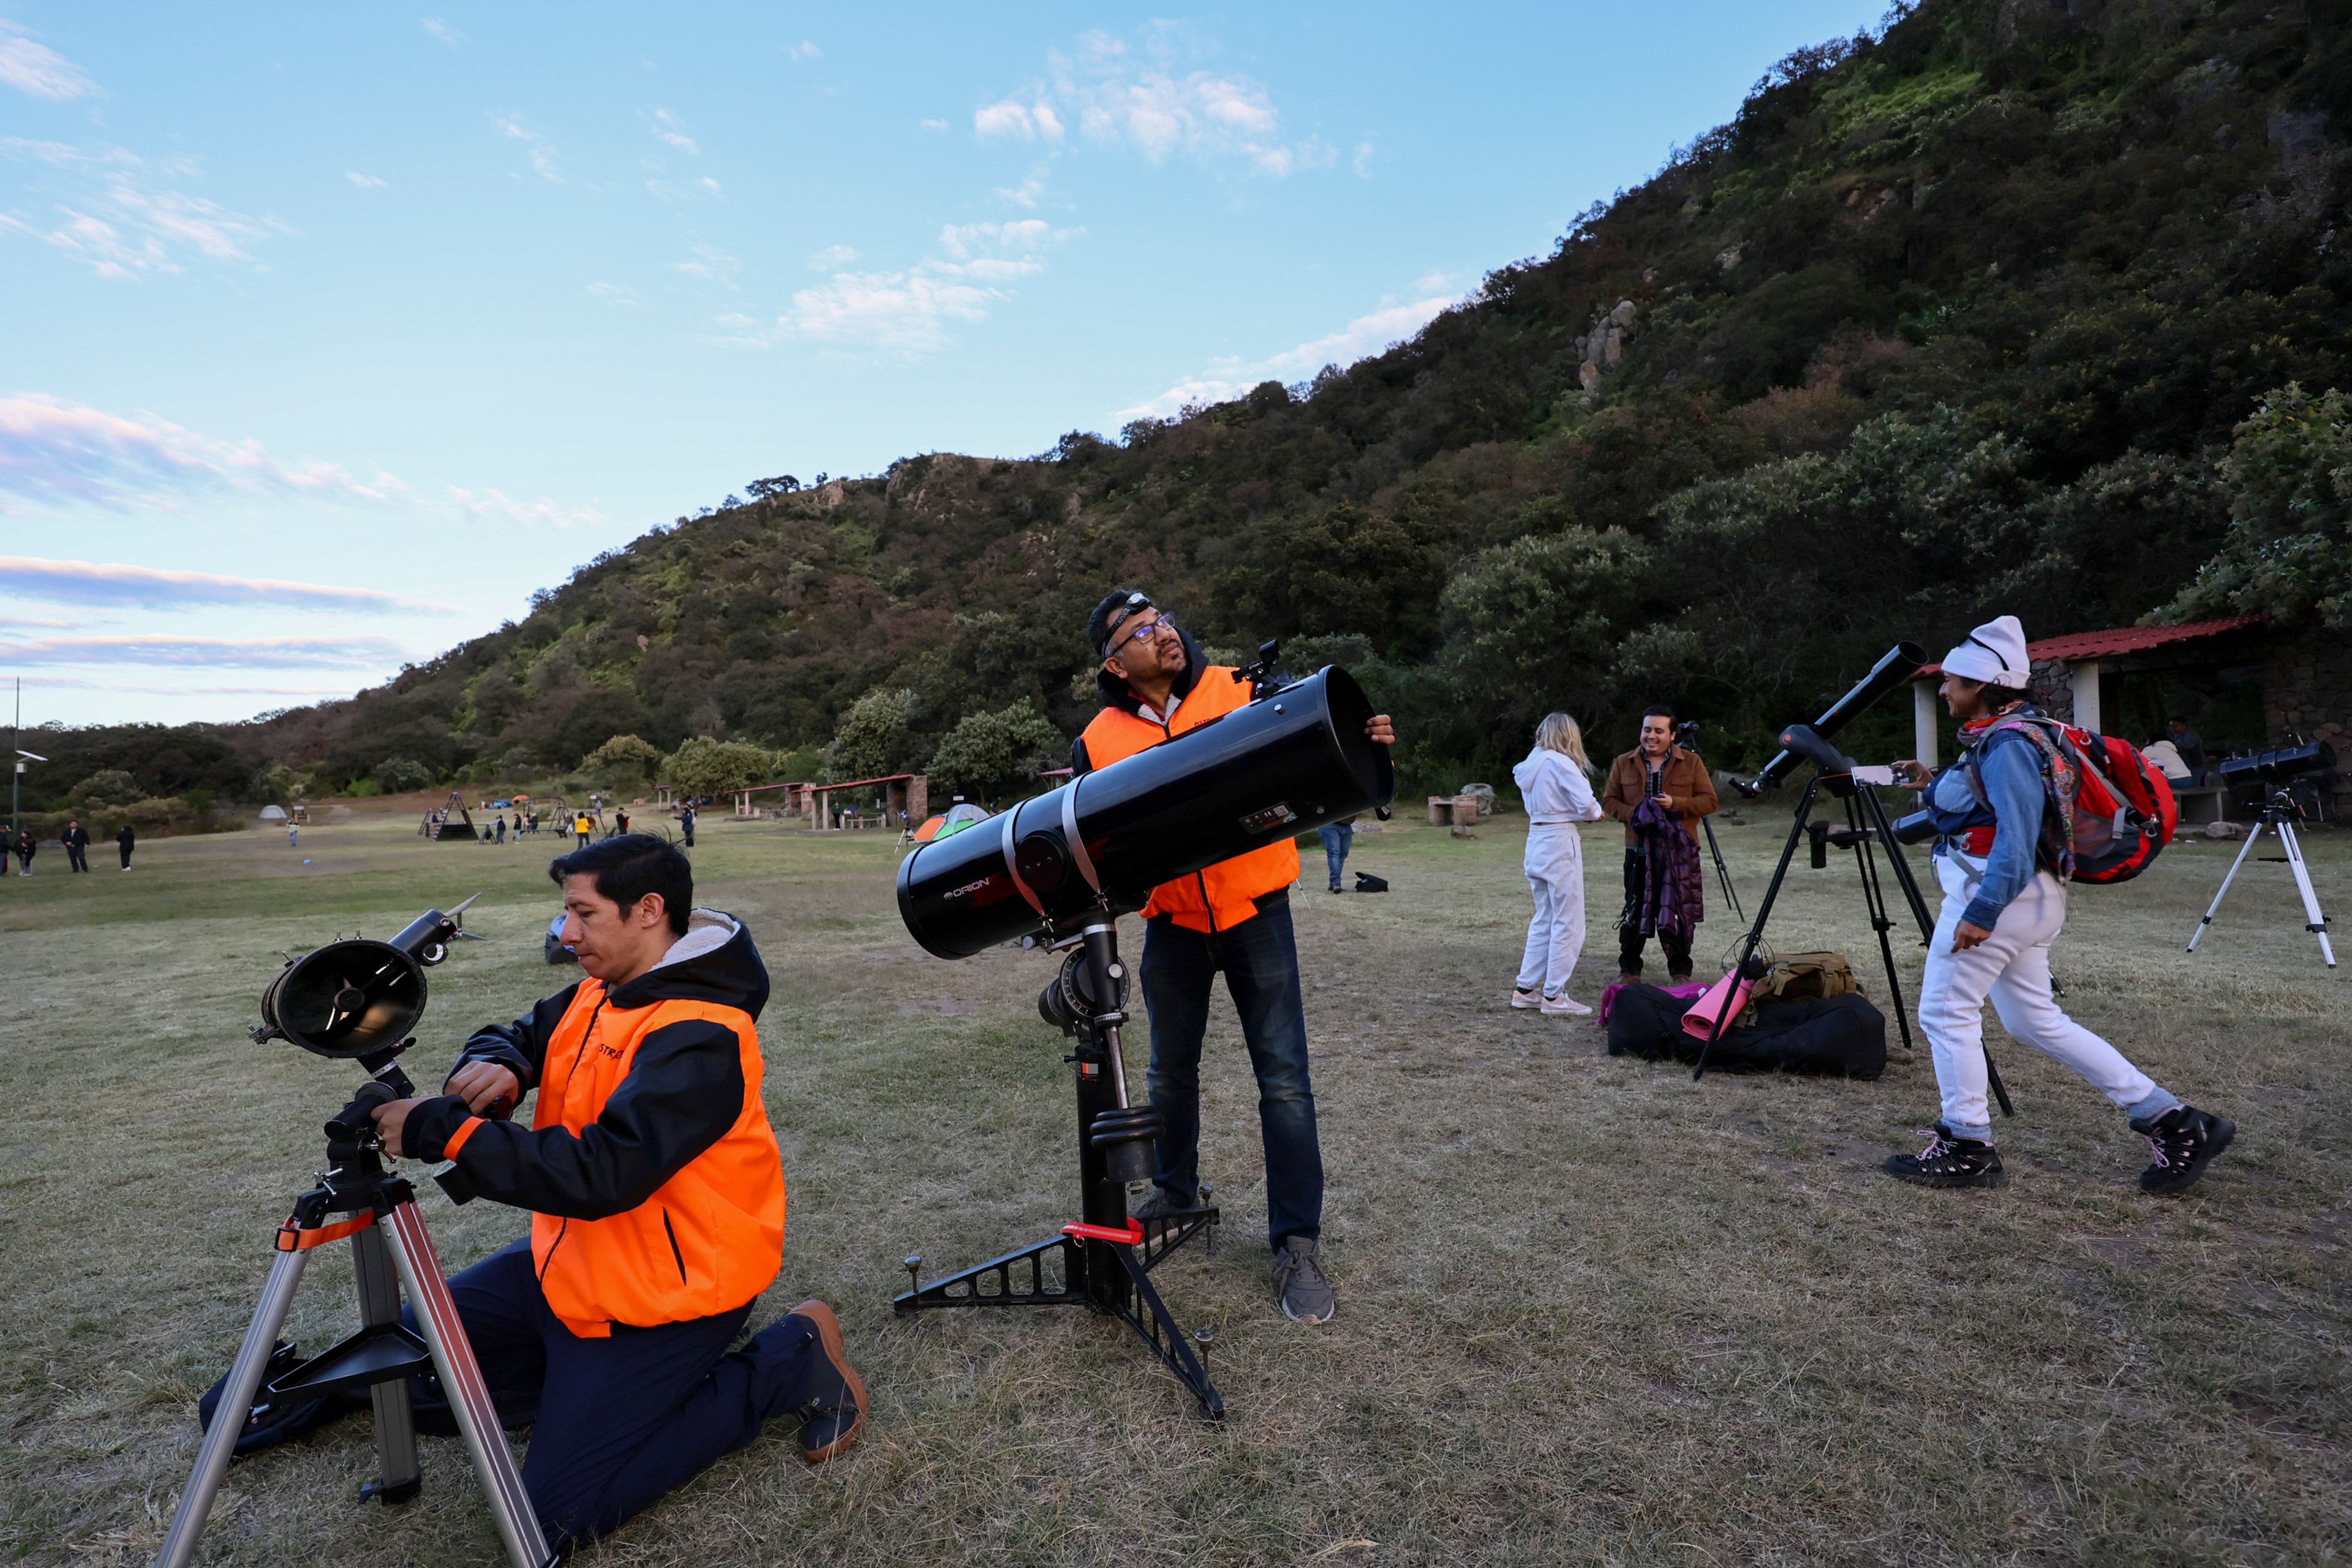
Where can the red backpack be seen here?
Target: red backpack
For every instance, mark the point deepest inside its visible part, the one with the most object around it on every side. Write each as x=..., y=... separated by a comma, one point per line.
x=2115, y=809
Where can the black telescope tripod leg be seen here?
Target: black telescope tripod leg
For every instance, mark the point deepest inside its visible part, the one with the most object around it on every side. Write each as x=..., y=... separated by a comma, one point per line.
x=1863, y=824
x=1722, y=871
x=1148, y=1317
x=1763, y=913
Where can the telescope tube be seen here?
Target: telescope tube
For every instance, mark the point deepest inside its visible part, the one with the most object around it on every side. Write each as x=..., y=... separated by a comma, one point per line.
x=1286, y=763
x=1897, y=665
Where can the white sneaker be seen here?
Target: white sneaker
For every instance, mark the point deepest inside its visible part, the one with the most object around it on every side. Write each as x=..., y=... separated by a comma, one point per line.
x=1527, y=1000
x=1565, y=1007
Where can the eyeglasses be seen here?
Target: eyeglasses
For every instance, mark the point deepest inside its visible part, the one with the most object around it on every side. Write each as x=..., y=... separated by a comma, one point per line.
x=1149, y=629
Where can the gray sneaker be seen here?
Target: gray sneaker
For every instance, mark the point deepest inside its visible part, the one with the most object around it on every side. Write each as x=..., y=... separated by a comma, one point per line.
x=1298, y=1278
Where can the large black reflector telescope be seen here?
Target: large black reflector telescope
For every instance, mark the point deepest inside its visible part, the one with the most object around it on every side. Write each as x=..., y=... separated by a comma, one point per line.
x=356, y=997
x=1286, y=763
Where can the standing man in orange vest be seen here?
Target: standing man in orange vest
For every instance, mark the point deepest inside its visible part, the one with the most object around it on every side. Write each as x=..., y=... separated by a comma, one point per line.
x=1233, y=916
x=658, y=1206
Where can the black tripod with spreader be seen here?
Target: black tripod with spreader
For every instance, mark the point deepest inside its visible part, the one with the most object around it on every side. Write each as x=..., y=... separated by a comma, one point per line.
x=1866, y=831
x=1104, y=1259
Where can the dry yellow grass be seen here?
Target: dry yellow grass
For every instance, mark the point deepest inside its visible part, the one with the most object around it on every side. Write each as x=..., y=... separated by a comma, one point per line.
x=1589, y=1310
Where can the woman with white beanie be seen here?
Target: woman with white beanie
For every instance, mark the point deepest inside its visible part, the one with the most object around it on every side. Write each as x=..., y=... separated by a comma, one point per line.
x=1556, y=783
x=2000, y=847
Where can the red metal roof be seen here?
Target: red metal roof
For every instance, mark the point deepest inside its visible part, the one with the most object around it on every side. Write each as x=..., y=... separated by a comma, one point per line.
x=2123, y=639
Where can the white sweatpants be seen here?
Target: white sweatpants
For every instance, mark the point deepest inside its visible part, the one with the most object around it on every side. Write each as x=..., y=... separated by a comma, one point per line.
x=2012, y=967
x=1555, y=868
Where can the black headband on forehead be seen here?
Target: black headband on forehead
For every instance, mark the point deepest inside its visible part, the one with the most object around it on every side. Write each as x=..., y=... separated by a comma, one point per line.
x=1133, y=604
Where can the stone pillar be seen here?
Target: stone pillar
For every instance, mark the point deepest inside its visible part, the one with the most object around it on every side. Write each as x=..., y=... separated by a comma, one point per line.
x=1923, y=719
x=919, y=800
x=2083, y=681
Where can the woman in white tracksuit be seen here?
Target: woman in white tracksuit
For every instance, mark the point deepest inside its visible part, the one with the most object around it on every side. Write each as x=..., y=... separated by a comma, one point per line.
x=1556, y=783
x=2003, y=907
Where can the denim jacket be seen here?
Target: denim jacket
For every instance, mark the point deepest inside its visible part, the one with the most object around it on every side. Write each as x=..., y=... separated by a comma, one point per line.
x=2013, y=780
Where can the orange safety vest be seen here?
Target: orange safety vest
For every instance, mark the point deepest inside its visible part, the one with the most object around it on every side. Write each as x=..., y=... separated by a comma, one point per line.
x=710, y=1239
x=1226, y=893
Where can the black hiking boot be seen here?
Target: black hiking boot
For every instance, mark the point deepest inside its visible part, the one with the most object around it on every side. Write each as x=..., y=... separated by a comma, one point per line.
x=2184, y=1140
x=1949, y=1160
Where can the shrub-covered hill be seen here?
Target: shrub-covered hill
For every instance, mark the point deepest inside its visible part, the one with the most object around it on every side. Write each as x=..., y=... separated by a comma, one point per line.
x=1955, y=319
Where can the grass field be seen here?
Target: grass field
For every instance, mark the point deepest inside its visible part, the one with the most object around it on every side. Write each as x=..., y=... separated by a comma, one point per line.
x=1590, y=1311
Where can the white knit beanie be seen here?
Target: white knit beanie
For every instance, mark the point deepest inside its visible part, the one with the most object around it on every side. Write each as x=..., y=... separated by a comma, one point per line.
x=1993, y=653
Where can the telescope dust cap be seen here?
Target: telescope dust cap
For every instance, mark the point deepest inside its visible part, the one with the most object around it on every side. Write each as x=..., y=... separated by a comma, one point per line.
x=1994, y=653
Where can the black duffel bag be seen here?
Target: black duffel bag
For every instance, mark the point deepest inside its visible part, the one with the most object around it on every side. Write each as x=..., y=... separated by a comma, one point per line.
x=1843, y=1036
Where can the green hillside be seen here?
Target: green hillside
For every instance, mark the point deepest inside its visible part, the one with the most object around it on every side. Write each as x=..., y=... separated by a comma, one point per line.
x=1955, y=319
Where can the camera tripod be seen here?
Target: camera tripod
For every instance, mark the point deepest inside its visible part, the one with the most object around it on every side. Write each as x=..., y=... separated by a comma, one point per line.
x=1687, y=737
x=392, y=1252
x=1104, y=1259
x=1867, y=830
x=2279, y=814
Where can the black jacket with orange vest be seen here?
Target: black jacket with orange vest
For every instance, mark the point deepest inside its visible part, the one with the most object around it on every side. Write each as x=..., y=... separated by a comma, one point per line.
x=656, y=1191
x=1227, y=893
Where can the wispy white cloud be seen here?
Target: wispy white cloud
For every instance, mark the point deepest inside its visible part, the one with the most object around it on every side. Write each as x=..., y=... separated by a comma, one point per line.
x=496, y=505
x=1227, y=378
x=803, y=50
x=711, y=265
x=146, y=587
x=614, y=294
x=37, y=70
x=164, y=649
x=444, y=32
x=1027, y=193
x=543, y=156
x=834, y=256
x=668, y=128
x=53, y=452
x=933, y=124
x=116, y=215
x=77, y=683
x=1116, y=94
x=1364, y=160
x=364, y=182
x=909, y=310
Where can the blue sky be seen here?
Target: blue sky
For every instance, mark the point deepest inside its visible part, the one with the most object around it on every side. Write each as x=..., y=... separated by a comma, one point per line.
x=329, y=334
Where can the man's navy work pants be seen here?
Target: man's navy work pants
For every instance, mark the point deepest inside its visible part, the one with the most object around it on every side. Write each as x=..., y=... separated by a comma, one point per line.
x=621, y=1422
x=1259, y=959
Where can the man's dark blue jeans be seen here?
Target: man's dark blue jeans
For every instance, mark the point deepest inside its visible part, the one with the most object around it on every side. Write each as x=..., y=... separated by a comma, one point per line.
x=620, y=1422
x=1260, y=960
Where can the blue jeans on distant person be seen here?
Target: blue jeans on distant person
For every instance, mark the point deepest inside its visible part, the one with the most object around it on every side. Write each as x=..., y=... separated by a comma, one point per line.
x=1337, y=838
x=1260, y=960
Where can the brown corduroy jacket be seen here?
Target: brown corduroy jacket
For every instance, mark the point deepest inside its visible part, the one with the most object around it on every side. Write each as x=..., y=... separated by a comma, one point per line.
x=1686, y=779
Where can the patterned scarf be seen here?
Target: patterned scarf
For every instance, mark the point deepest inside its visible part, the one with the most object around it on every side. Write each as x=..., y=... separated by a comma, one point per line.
x=2055, y=846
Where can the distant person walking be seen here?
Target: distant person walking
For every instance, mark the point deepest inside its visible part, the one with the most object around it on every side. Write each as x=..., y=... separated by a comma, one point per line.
x=1556, y=783
x=26, y=845
x=293, y=836
x=77, y=842
x=1338, y=837
x=686, y=824
x=502, y=828
x=620, y=822
x=581, y=826
x=126, y=841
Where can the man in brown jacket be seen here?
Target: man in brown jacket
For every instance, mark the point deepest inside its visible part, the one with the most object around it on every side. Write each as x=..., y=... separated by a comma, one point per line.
x=1679, y=780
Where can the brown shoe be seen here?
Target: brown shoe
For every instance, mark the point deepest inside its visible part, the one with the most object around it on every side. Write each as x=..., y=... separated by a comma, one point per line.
x=834, y=1414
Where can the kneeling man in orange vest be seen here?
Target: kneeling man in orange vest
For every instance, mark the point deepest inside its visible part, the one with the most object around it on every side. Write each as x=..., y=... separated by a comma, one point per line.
x=658, y=1206
x=1235, y=917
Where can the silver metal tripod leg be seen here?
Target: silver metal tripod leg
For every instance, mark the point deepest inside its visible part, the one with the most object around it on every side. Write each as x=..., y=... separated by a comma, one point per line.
x=395, y=1424
x=2215, y=908
x=461, y=1380
x=228, y=1417
x=2316, y=922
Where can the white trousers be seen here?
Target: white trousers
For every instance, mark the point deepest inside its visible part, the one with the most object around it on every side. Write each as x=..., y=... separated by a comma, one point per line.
x=2012, y=967
x=1555, y=868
